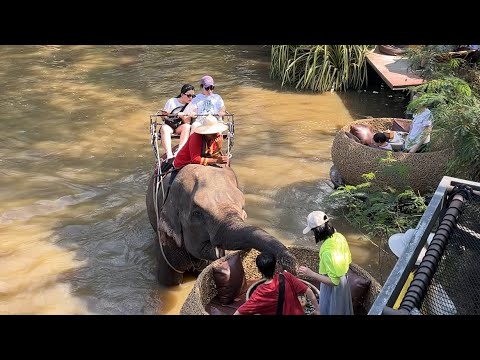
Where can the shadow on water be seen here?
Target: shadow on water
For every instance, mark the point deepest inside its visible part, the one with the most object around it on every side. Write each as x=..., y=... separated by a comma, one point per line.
x=115, y=238
x=375, y=100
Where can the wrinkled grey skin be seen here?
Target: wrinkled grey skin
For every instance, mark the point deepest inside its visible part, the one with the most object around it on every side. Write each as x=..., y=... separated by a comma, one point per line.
x=204, y=210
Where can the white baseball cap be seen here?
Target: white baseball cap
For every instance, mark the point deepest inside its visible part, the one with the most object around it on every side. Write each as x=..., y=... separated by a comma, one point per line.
x=314, y=219
x=398, y=243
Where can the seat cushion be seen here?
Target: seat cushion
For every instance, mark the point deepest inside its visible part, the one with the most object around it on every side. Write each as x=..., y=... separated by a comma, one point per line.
x=401, y=125
x=359, y=289
x=229, y=278
x=215, y=308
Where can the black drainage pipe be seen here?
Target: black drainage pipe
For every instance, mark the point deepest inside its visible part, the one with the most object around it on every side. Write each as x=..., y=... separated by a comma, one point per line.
x=427, y=268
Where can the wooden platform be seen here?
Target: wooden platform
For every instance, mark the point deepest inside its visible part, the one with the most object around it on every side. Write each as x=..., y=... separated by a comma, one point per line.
x=393, y=70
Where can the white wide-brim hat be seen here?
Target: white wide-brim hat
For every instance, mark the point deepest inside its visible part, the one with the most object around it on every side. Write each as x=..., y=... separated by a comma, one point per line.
x=398, y=243
x=211, y=126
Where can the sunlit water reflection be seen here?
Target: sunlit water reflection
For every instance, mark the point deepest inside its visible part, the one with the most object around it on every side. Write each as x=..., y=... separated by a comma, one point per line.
x=75, y=158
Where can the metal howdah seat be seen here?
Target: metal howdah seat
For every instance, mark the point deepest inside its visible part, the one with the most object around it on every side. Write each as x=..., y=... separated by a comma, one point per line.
x=227, y=119
x=420, y=171
x=156, y=122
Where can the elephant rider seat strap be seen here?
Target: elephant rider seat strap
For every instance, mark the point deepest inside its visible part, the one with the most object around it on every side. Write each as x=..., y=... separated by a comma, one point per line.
x=281, y=293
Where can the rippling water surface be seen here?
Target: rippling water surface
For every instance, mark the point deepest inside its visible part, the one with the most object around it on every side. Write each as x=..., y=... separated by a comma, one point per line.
x=75, y=158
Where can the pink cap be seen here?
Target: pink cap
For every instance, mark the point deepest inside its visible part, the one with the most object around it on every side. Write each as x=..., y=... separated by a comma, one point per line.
x=206, y=81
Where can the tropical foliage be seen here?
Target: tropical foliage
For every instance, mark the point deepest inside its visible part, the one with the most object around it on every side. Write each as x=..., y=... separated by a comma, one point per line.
x=455, y=106
x=436, y=61
x=380, y=211
x=320, y=67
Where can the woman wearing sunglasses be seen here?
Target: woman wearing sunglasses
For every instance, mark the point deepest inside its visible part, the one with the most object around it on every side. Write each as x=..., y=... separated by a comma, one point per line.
x=177, y=119
x=207, y=103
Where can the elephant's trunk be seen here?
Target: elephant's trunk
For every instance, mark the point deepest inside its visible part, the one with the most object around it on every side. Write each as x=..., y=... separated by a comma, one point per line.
x=235, y=234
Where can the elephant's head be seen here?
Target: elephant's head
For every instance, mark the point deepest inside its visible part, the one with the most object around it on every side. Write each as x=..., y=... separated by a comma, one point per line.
x=204, y=212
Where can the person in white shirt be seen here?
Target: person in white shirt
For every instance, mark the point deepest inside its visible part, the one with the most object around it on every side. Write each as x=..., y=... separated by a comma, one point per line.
x=206, y=103
x=420, y=130
x=180, y=124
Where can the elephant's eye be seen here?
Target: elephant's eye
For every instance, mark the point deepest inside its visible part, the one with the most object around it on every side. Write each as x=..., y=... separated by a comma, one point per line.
x=196, y=213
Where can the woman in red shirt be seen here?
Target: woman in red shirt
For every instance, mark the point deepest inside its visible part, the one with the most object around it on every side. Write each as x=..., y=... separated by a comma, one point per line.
x=203, y=147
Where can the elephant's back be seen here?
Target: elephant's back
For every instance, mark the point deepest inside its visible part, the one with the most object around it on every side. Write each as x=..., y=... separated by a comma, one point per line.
x=196, y=174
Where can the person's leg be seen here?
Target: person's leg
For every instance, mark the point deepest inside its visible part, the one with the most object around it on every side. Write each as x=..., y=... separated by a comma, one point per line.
x=184, y=131
x=423, y=148
x=166, y=133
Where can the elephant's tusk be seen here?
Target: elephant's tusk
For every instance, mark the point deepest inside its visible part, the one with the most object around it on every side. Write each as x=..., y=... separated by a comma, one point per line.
x=219, y=252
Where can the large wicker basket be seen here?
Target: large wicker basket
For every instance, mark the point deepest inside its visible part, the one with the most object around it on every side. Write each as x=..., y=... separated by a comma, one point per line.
x=204, y=289
x=352, y=159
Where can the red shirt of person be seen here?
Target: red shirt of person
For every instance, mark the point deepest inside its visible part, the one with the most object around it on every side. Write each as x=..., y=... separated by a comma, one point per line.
x=204, y=145
x=264, y=300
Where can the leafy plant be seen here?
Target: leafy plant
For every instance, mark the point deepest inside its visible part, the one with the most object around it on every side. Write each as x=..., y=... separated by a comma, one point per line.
x=320, y=67
x=456, y=122
x=381, y=211
x=429, y=60
x=392, y=169
x=438, y=61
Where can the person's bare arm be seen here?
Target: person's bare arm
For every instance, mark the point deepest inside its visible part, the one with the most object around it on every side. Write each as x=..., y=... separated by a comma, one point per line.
x=189, y=114
x=222, y=159
x=305, y=271
x=222, y=111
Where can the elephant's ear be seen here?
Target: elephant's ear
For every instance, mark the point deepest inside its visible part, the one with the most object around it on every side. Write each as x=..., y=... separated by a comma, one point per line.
x=163, y=238
x=170, y=223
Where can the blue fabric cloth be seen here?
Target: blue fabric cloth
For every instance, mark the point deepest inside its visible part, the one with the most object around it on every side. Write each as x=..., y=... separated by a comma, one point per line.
x=336, y=300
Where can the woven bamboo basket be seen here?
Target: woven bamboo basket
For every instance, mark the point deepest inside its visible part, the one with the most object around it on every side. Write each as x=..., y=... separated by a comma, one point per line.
x=204, y=289
x=352, y=159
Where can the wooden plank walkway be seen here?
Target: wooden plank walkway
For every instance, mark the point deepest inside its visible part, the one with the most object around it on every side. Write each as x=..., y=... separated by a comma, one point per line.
x=393, y=70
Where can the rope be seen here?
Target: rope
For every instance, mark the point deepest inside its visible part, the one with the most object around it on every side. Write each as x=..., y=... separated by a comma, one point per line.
x=158, y=174
x=158, y=233
x=168, y=262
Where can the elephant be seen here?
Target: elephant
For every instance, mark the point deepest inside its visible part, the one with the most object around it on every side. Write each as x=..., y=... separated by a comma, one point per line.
x=203, y=216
